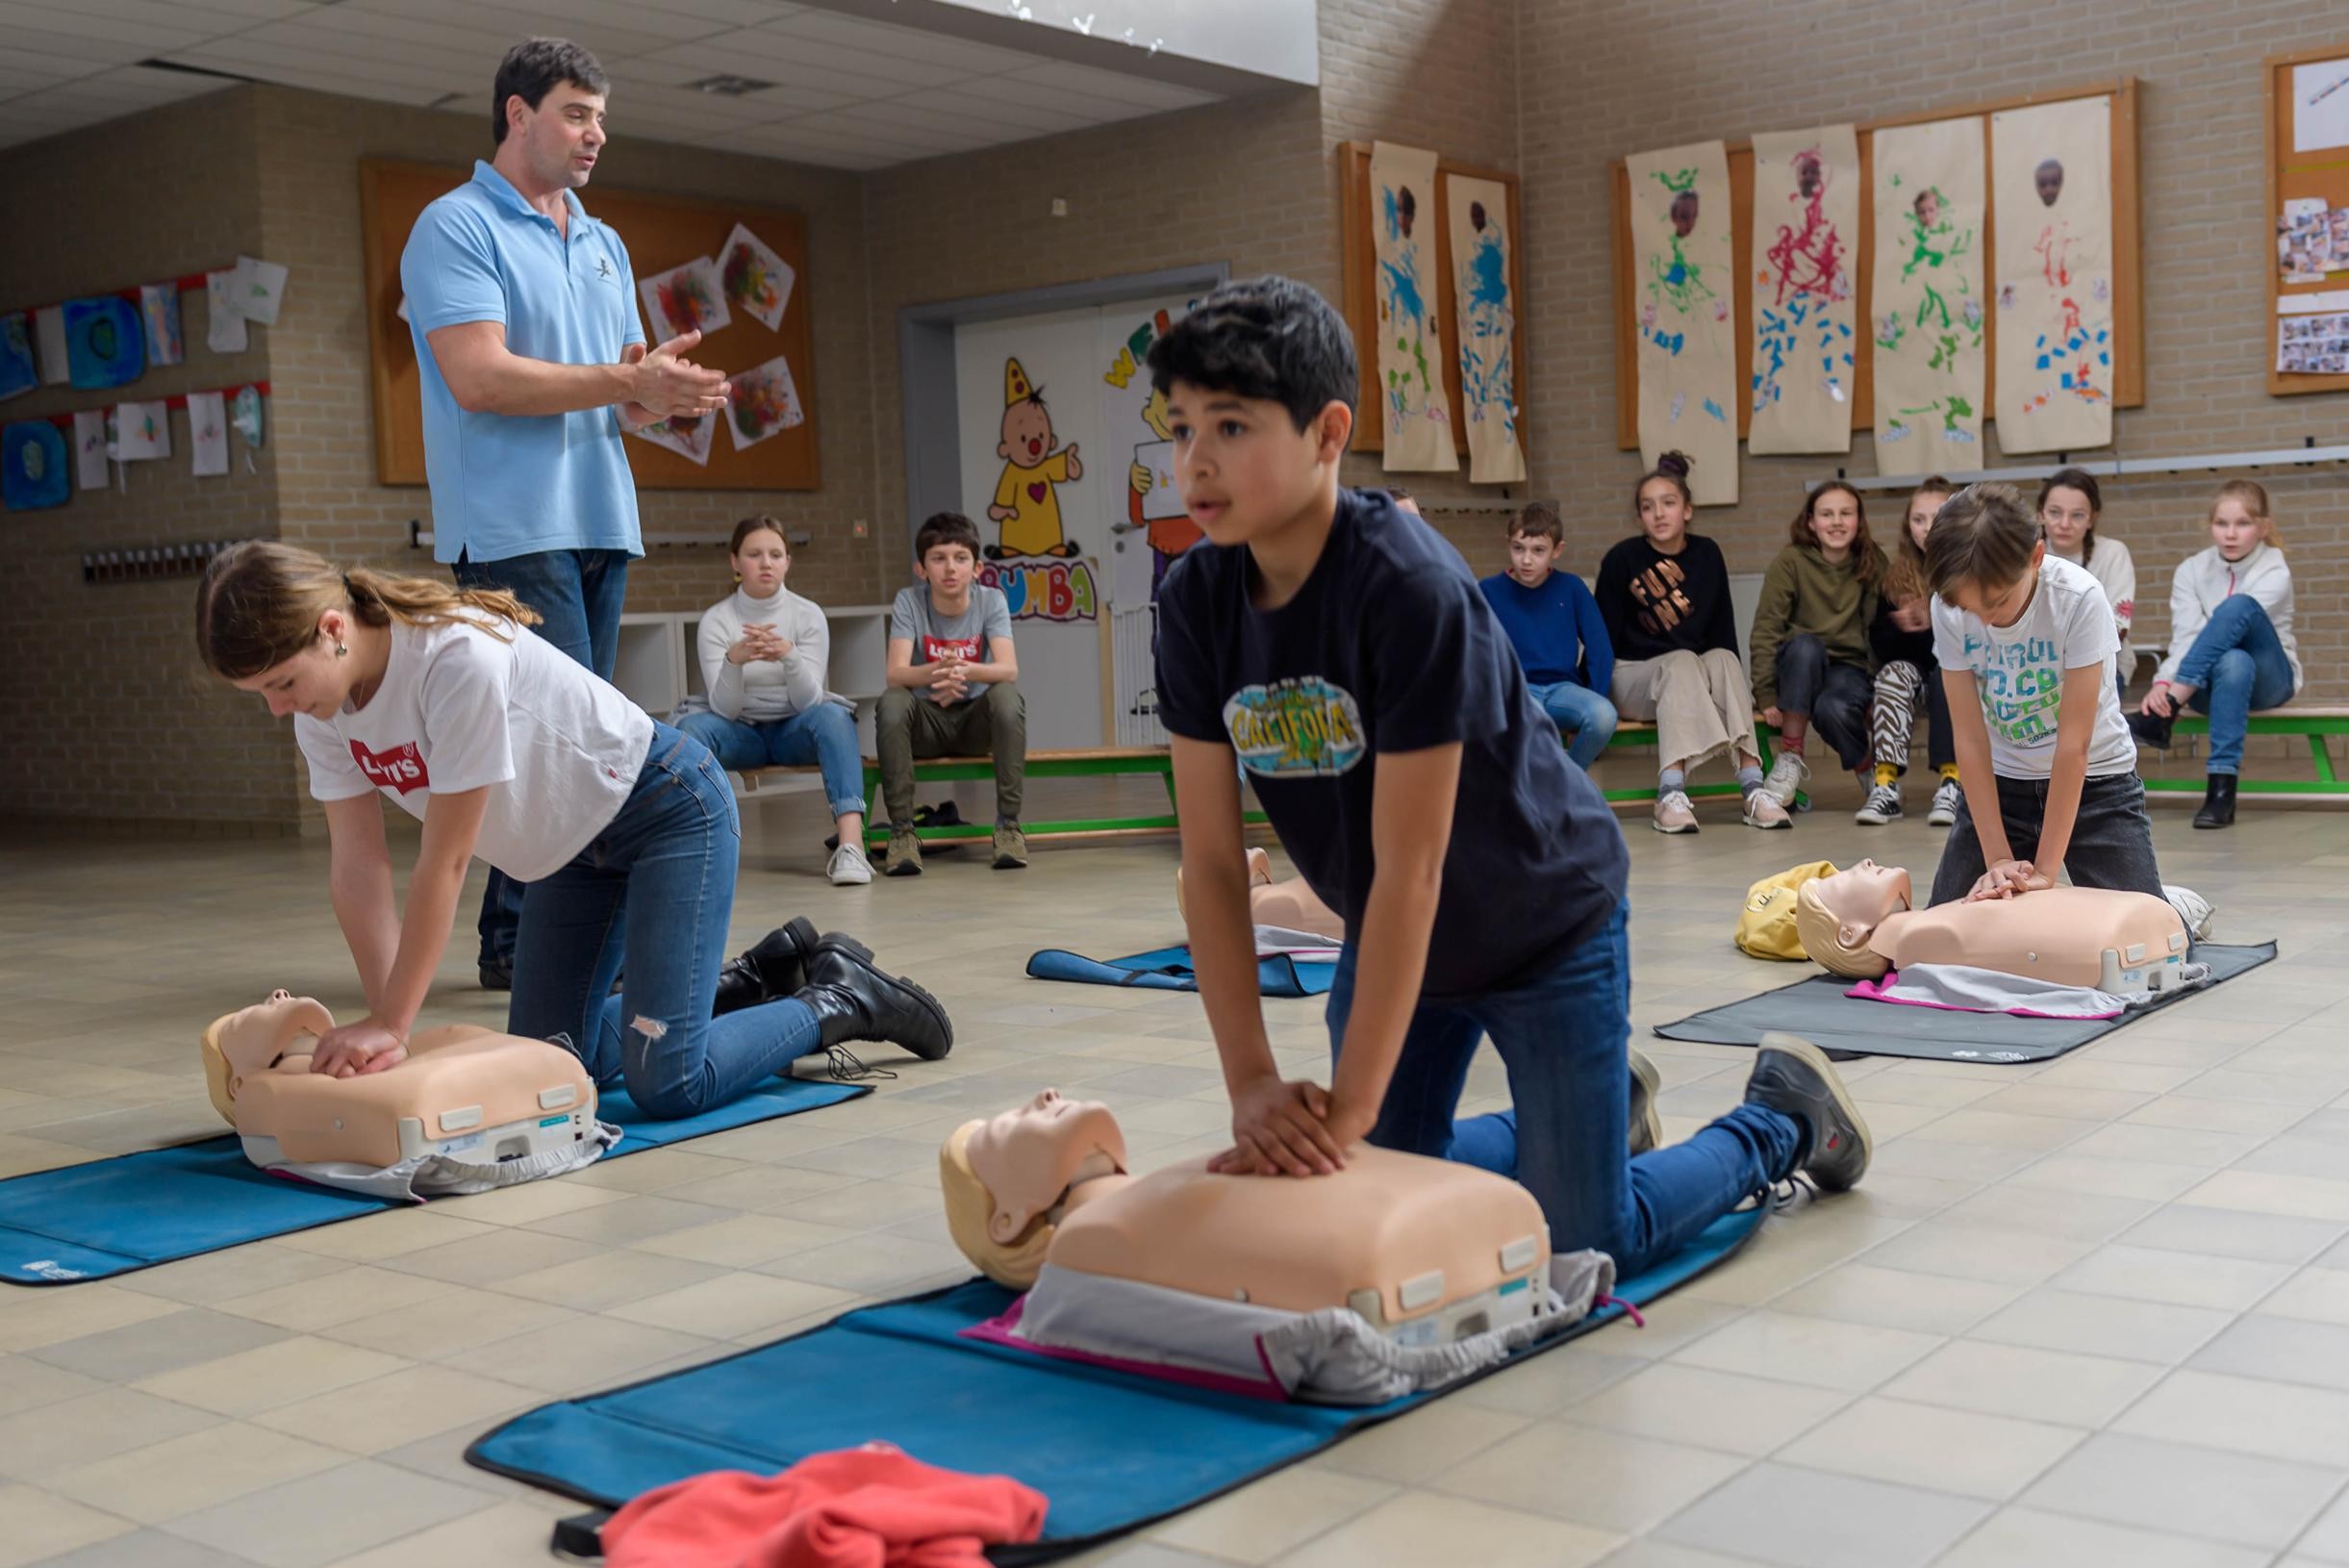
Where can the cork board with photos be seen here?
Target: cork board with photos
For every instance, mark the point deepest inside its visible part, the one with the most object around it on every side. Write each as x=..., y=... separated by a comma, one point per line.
x=2308, y=201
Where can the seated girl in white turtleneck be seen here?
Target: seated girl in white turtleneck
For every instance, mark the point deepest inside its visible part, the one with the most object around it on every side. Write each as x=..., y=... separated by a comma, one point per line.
x=763, y=649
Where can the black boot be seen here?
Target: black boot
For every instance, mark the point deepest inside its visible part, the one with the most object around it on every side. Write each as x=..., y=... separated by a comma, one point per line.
x=2150, y=730
x=853, y=1001
x=775, y=966
x=2218, y=803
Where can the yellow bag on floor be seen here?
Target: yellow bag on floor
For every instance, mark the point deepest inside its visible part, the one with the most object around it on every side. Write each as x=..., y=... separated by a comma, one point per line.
x=1765, y=926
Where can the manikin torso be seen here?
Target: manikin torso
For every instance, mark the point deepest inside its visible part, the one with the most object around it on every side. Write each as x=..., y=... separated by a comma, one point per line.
x=2113, y=941
x=463, y=1090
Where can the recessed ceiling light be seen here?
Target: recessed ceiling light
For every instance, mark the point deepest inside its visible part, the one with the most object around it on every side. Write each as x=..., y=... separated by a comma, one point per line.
x=729, y=86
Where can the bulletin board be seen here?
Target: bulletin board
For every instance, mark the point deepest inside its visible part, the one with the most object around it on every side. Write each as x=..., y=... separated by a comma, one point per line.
x=660, y=232
x=1361, y=300
x=2306, y=92
x=2128, y=284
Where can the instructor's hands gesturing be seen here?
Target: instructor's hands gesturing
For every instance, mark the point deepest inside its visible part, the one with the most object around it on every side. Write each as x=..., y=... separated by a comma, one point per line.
x=669, y=386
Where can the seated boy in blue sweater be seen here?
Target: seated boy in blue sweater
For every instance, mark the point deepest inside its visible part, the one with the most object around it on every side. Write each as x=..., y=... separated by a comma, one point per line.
x=1553, y=624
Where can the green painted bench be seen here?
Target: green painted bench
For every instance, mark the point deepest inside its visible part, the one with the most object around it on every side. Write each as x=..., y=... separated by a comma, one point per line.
x=2313, y=725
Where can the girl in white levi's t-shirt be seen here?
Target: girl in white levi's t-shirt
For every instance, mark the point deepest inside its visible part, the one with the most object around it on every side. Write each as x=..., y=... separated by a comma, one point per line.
x=442, y=700
x=2026, y=642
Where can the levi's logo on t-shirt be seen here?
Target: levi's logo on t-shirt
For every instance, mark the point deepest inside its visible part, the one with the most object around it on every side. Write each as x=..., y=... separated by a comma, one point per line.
x=400, y=768
x=937, y=649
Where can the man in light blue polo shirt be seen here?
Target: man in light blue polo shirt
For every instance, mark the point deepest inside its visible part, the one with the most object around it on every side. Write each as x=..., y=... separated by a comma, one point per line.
x=533, y=362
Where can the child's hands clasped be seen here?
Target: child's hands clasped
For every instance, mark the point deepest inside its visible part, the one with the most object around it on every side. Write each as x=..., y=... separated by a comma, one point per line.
x=1284, y=1127
x=2007, y=879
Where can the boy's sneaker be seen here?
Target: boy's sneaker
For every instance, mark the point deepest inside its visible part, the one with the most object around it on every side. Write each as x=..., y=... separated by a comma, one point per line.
x=1674, y=814
x=1947, y=798
x=1883, y=805
x=1010, y=846
x=1788, y=777
x=1762, y=810
x=904, y=854
x=1795, y=1078
x=848, y=867
x=1647, y=1126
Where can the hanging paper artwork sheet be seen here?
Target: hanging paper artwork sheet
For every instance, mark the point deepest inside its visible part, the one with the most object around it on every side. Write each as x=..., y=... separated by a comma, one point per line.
x=224, y=326
x=2050, y=181
x=17, y=375
x=258, y=289
x=159, y=315
x=683, y=299
x=1481, y=245
x=142, y=431
x=89, y=455
x=1681, y=313
x=689, y=435
x=1806, y=240
x=757, y=280
x=1417, y=416
x=32, y=467
x=763, y=402
x=49, y=346
x=104, y=342
x=208, y=434
x=246, y=417
x=1928, y=296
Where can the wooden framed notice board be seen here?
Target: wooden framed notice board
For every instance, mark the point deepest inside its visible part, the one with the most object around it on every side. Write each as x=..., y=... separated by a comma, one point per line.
x=1361, y=300
x=2128, y=286
x=661, y=232
x=2308, y=202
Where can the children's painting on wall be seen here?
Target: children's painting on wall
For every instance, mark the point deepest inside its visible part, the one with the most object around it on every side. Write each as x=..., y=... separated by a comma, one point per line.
x=159, y=312
x=1805, y=233
x=687, y=298
x=208, y=434
x=17, y=373
x=2320, y=106
x=1487, y=321
x=91, y=466
x=688, y=434
x=104, y=342
x=1682, y=313
x=142, y=431
x=2050, y=181
x=32, y=467
x=1027, y=504
x=1417, y=414
x=757, y=280
x=1928, y=299
x=761, y=403
x=49, y=346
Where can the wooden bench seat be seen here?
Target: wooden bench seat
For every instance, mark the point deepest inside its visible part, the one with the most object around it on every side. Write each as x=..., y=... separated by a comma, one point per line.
x=2312, y=723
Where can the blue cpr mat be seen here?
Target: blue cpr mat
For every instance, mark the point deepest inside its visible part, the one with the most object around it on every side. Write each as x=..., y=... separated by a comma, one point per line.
x=1111, y=1451
x=113, y=1216
x=1169, y=969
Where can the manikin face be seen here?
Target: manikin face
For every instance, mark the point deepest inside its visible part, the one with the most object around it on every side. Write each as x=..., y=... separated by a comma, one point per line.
x=1834, y=522
x=1861, y=898
x=259, y=1037
x=762, y=562
x=1530, y=558
x=948, y=569
x=2236, y=529
x=2067, y=519
x=1922, y=510
x=1028, y=1157
x=561, y=139
x=1663, y=515
x=1244, y=467
x=314, y=681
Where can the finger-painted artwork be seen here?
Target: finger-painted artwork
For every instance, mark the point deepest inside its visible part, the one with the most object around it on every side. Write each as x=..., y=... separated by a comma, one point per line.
x=1487, y=321
x=1805, y=231
x=763, y=402
x=142, y=431
x=756, y=279
x=1417, y=416
x=159, y=315
x=104, y=342
x=17, y=374
x=1683, y=318
x=688, y=434
x=33, y=472
x=683, y=299
x=208, y=434
x=1928, y=296
x=2051, y=182
x=92, y=465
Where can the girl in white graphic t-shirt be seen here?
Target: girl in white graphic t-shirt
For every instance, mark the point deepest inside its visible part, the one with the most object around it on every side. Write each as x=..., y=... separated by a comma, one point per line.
x=444, y=701
x=2025, y=641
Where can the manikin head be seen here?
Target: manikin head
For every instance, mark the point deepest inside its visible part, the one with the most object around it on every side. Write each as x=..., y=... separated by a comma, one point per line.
x=1835, y=916
x=1003, y=1175
x=262, y=1038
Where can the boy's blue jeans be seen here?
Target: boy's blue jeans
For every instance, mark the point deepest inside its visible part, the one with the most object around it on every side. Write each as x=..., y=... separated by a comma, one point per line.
x=1564, y=1037
x=2236, y=665
x=658, y=885
x=2111, y=837
x=1580, y=712
x=824, y=735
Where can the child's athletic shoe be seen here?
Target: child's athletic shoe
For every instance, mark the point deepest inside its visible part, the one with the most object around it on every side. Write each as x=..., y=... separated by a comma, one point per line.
x=904, y=854
x=1010, y=846
x=1883, y=805
x=1947, y=798
x=1795, y=1078
x=1762, y=810
x=1788, y=777
x=1674, y=814
x=848, y=867
x=1647, y=1126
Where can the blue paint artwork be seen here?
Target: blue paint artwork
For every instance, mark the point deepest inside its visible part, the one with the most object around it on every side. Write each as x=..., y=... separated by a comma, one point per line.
x=17, y=373
x=106, y=343
x=33, y=473
x=1714, y=408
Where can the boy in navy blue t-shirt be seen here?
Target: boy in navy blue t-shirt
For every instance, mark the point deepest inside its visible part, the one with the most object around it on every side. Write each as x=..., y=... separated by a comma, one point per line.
x=1341, y=648
x=1553, y=624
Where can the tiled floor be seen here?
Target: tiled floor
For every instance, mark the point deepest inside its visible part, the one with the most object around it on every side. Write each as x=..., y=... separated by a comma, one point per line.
x=2091, y=1312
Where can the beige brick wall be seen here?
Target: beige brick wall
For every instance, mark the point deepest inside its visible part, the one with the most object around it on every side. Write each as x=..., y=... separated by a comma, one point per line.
x=1601, y=81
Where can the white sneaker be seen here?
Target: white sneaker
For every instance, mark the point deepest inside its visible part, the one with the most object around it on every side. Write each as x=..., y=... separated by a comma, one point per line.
x=1788, y=777
x=1673, y=813
x=1883, y=805
x=850, y=868
x=1946, y=801
x=1762, y=810
x=2192, y=908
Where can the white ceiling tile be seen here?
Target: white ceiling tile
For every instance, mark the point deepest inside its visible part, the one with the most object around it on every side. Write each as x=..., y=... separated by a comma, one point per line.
x=341, y=49
x=1117, y=87
x=373, y=86
x=817, y=55
x=604, y=29
x=915, y=140
x=74, y=21
x=722, y=56
x=1016, y=102
x=290, y=62
x=365, y=26
x=19, y=42
x=904, y=42
x=985, y=128
x=731, y=12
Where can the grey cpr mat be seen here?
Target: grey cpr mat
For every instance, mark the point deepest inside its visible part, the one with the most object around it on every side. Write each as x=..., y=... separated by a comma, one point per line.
x=1818, y=1011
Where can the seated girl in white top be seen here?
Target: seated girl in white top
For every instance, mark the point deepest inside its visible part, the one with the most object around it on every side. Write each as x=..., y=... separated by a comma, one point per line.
x=763, y=651
x=441, y=700
x=2069, y=505
x=2231, y=646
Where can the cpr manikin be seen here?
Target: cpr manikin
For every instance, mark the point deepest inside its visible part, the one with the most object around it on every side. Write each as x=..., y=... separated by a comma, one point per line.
x=1291, y=908
x=1395, y=1273
x=468, y=1110
x=1858, y=924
